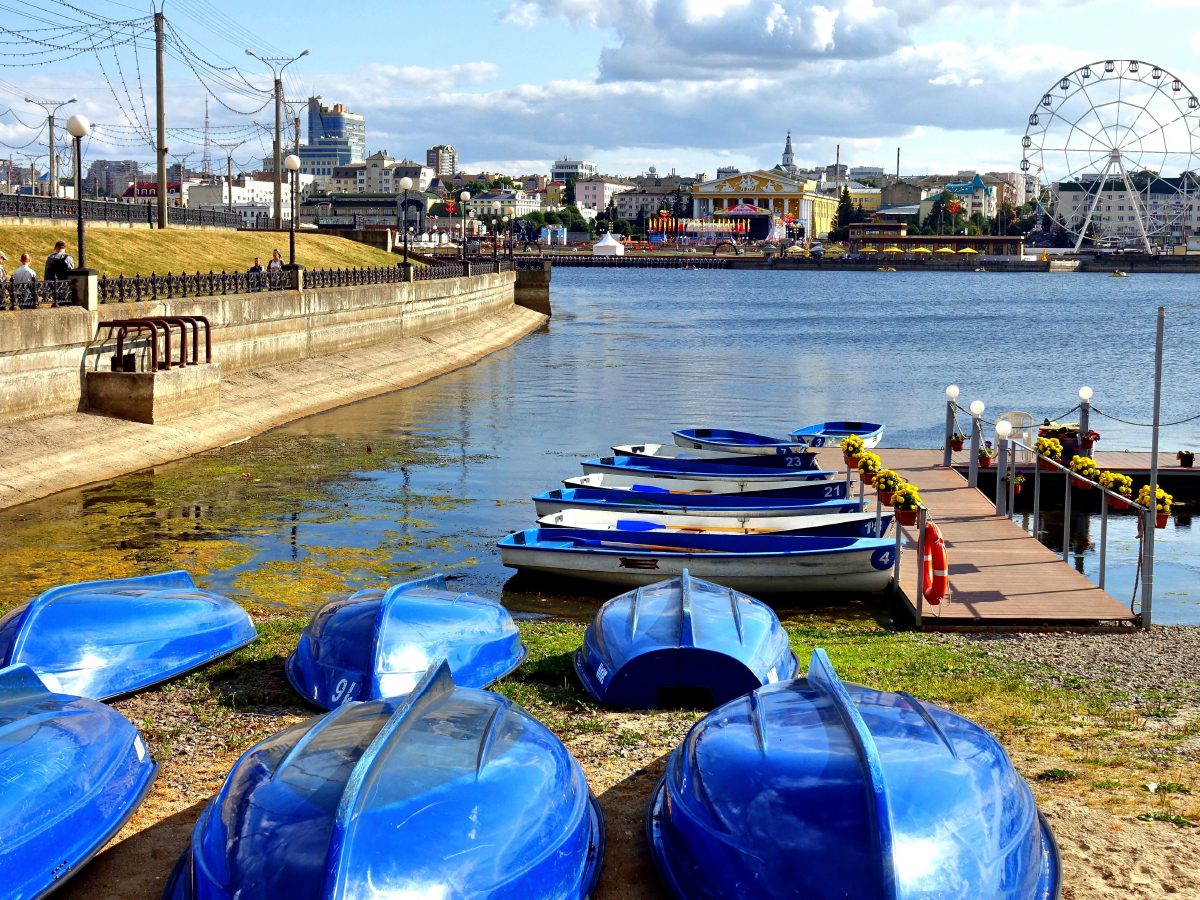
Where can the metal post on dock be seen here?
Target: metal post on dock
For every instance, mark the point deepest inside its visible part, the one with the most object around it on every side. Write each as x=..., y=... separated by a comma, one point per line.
x=1037, y=491
x=1103, y=535
x=922, y=512
x=896, y=561
x=1148, y=551
x=878, y=516
x=862, y=487
x=1012, y=479
x=1085, y=415
x=1001, y=472
x=947, y=450
x=976, y=433
x=1067, y=518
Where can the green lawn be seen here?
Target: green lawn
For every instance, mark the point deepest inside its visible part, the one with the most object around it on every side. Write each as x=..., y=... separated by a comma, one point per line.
x=131, y=251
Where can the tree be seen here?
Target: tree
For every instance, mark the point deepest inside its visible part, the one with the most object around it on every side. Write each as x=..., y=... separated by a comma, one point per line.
x=940, y=217
x=569, y=192
x=845, y=209
x=501, y=183
x=475, y=187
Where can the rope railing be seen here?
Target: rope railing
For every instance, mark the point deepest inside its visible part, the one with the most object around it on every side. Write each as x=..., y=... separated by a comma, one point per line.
x=1144, y=424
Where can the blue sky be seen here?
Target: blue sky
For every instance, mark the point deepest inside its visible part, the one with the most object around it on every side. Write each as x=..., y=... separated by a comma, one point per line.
x=689, y=85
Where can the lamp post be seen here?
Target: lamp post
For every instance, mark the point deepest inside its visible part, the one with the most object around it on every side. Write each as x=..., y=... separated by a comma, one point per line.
x=277, y=64
x=51, y=107
x=511, y=220
x=292, y=164
x=977, y=409
x=78, y=127
x=1085, y=410
x=951, y=396
x=406, y=184
x=464, y=197
x=495, y=229
x=504, y=223
x=1003, y=430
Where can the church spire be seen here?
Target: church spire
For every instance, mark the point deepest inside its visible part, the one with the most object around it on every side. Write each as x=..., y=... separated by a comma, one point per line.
x=789, y=158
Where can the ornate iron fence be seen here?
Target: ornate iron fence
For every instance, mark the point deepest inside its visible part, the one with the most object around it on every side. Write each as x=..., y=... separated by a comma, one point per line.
x=326, y=278
x=21, y=206
x=35, y=294
x=430, y=273
x=580, y=260
x=124, y=289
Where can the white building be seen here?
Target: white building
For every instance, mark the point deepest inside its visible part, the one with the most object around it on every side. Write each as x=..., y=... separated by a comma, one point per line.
x=244, y=190
x=596, y=192
x=871, y=173
x=572, y=168
x=380, y=174
x=521, y=203
x=254, y=215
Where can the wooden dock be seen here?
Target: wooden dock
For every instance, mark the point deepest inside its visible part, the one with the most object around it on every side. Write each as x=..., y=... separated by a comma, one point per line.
x=1000, y=576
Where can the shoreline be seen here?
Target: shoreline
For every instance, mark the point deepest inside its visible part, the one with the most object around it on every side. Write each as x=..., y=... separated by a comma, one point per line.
x=45, y=456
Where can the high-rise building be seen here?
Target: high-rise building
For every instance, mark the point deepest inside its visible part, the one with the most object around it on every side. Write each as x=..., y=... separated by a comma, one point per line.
x=108, y=176
x=336, y=137
x=442, y=159
x=564, y=169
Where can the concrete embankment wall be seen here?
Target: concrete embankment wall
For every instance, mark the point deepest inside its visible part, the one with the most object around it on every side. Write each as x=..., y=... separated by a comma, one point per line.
x=45, y=353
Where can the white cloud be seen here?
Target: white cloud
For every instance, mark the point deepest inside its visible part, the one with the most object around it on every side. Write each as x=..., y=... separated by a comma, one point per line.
x=384, y=79
x=1196, y=41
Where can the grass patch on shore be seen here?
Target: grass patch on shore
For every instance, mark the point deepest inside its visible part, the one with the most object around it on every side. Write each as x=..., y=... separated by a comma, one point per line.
x=129, y=251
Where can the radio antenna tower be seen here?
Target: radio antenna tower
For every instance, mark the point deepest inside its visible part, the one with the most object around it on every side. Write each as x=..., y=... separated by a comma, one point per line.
x=206, y=161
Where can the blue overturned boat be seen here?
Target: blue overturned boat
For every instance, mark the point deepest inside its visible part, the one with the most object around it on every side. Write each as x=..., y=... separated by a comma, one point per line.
x=379, y=643
x=73, y=770
x=449, y=792
x=682, y=642
x=756, y=563
x=736, y=442
x=672, y=454
x=736, y=506
x=708, y=470
x=827, y=434
x=102, y=639
x=815, y=788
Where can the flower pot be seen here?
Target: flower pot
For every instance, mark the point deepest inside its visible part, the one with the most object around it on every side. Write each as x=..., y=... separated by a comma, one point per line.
x=1045, y=465
x=1186, y=459
x=867, y=477
x=851, y=461
x=1016, y=490
x=956, y=445
x=885, y=497
x=907, y=517
x=985, y=462
x=1114, y=503
x=1087, y=445
x=1160, y=520
x=1082, y=483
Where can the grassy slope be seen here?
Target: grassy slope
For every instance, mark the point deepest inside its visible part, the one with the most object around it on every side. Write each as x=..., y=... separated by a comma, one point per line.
x=114, y=251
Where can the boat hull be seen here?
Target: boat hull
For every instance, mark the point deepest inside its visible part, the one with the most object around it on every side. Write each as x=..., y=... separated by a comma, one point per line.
x=666, y=452
x=827, y=434
x=733, y=507
x=852, y=524
x=735, y=441
x=666, y=484
x=704, y=470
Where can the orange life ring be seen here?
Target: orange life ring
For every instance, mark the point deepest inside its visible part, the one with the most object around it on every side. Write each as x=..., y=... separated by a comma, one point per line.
x=937, y=570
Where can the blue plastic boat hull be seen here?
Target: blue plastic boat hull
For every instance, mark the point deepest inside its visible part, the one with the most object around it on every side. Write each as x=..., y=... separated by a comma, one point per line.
x=696, y=470
x=103, y=639
x=816, y=788
x=736, y=441
x=830, y=433
x=378, y=643
x=667, y=453
x=73, y=770
x=448, y=792
x=732, y=505
x=682, y=642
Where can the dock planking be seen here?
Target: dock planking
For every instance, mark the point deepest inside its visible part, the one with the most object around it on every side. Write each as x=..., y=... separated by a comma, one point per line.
x=1000, y=576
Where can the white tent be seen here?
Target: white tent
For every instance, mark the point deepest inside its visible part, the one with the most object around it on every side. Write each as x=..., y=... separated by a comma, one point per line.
x=608, y=246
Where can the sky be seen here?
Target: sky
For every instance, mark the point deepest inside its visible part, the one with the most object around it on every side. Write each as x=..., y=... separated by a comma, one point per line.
x=689, y=85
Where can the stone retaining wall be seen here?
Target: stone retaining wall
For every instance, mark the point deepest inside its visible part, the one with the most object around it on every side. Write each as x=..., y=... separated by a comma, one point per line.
x=45, y=353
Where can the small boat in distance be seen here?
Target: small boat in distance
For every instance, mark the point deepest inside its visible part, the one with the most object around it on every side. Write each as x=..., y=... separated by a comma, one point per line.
x=1119, y=274
x=825, y=434
x=737, y=507
x=756, y=563
x=669, y=484
x=682, y=642
x=74, y=771
x=665, y=452
x=708, y=470
x=853, y=524
x=736, y=441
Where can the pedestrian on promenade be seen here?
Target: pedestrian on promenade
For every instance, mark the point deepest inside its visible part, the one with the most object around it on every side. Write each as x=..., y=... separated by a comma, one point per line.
x=276, y=263
x=24, y=274
x=22, y=281
x=58, y=264
x=256, y=268
x=3, y=273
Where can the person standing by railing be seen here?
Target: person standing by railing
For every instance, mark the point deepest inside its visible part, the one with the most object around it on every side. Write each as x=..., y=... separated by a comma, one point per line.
x=22, y=284
x=58, y=264
x=3, y=272
x=276, y=263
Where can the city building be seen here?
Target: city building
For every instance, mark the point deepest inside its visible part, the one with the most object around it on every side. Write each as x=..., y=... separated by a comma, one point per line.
x=646, y=201
x=596, y=192
x=862, y=196
x=254, y=215
x=359, y=211
x=870, y=173
x=794, y=201
x=902, y=192
x=108, y=176
x=837, y=172
x=336, y=137
x=443, y=159
x=245, y=190
x=147, y=192
x=787, y=162
x=556, y=194
x=1010, y=187
x=564, y=169
x=727, y=172
x=975, y=196
x=652, y=178
x=520, y=202
x=531, y=183
x=1169, y=209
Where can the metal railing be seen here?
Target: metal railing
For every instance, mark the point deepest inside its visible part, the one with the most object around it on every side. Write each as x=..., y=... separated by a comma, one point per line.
x=431, y=273
x=328, y=278
x=35, y=294
x=26, y=207
x=1006, y=484
x=124, y=289
x=586, y=260
x=922, y=519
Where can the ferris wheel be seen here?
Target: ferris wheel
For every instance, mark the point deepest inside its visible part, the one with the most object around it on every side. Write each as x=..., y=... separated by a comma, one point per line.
x=1117, y=144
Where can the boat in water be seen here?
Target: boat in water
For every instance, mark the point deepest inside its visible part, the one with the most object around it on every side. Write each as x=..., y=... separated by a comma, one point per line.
x=103, y=639
x=668, y=484
x=735, y=506
x=816, y=788
x=850, y=524
x=448, y=792
x=829, y=434
x=74, y=771
x=736, y=441
x=662, y=453
x=705, y=470
x=379, y=643
x=682, y=642
x=755, y=563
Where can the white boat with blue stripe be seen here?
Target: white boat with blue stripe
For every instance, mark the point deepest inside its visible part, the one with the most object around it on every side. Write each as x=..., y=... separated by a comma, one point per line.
x=745, y=442
x=662, y=502
x=664, y=453
x=852, y=524
x=704, y=470
x=823, y=490
x=828, y=434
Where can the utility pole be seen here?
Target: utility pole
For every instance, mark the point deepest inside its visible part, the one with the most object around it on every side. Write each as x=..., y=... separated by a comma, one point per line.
x=229, y=149
x=51, y=107
x=277, y=64
x=161, y=112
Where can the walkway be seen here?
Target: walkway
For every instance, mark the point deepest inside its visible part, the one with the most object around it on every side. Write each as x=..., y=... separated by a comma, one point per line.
x=999, y=574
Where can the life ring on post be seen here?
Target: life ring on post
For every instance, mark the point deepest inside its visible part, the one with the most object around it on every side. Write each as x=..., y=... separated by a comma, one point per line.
x=937, y=569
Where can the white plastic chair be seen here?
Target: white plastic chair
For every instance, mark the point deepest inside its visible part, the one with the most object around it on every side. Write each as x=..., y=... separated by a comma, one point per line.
x=1023, y=431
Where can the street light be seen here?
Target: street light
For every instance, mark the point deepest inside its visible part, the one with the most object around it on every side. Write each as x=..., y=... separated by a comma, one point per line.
x=406, y=184
x=51, y=107
x=292, y=164
x=464, y=197
x=952, y=392
x=277, y=64
x=512, y=220
x=79, y=127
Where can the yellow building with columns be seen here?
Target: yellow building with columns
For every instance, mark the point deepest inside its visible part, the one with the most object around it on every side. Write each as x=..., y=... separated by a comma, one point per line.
x=773, y=189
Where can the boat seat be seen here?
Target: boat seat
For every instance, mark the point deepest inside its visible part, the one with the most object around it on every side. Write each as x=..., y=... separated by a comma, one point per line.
x=1023, y=431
